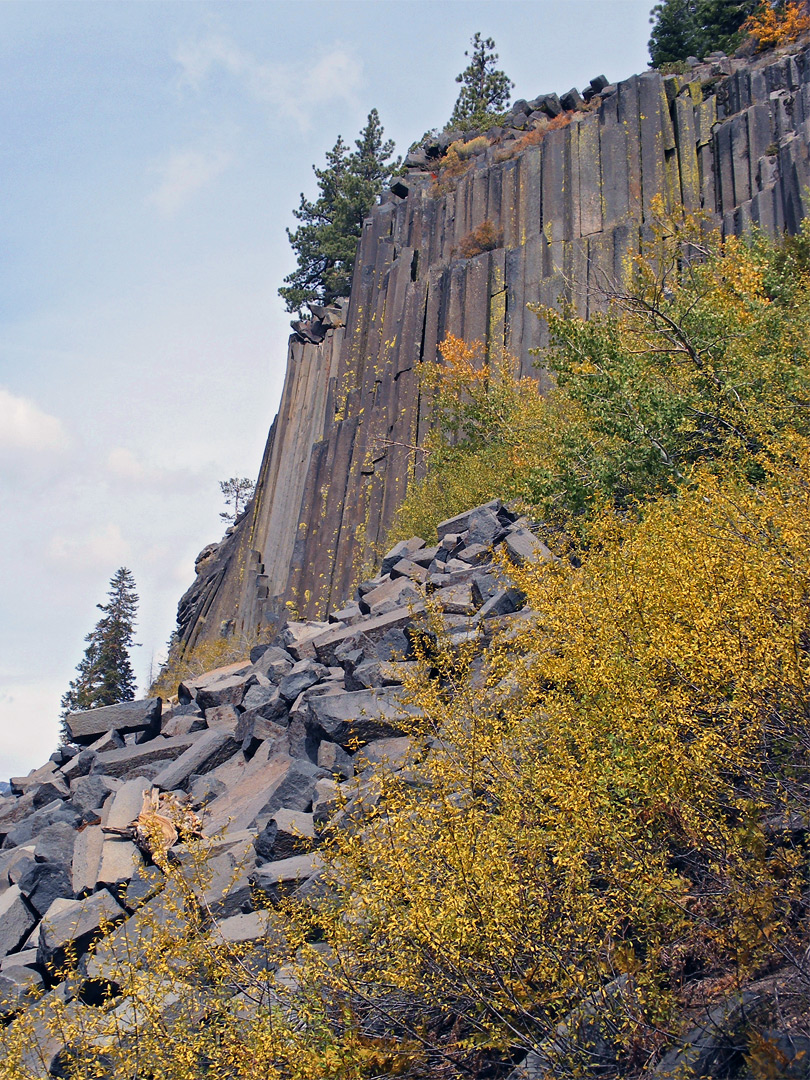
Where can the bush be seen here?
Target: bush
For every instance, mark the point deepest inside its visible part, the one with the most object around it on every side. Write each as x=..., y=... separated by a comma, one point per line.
x=486, y=237
x=774, y=26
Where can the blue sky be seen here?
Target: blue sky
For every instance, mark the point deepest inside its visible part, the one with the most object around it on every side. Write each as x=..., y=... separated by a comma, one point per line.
x=153, y=153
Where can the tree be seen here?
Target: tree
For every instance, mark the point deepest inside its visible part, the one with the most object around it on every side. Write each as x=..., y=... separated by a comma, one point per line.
x=684, y=28
x=484, y=90
x=325, y=242
x=238, y=491
x=105, y=675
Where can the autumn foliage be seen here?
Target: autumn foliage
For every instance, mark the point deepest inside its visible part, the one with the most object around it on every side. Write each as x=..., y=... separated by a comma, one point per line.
x=772, y=26
x=605, y=809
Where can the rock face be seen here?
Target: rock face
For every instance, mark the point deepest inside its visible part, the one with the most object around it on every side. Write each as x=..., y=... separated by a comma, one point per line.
x=566, y=212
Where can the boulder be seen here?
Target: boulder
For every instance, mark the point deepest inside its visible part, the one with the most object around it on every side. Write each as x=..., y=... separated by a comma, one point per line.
x=188, y=689
x=127, y=716
x=572, y=101
x=275, y=878
x=89, y=792
x=523, y=546
x=221, y=692
x=393, y=594
x=119, y=860
x=297, y=637
x=371, y=630
x=75, y=923
x=483, y=526
x=208, y=750
x=86, y=860
x=460, y=522
x=131, y=759
x=300, y=677
x=43, y=883
x=247, y=926
x=457, y=599
x=273, y=663
x=287, y=833
x=222, y=717
x=17, y=920
x=20, y=981
x=334, y=760
x=409, y=569
x=403, y=550
x=358, y=717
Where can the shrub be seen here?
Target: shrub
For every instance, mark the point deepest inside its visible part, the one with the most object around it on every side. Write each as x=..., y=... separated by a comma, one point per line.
x=485, y=237
x=773, y=26
x=536, y=135
x=455, y=163
x=205, y=656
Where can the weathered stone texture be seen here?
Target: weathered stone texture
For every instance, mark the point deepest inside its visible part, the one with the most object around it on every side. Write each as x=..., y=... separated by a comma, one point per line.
x=568, y=211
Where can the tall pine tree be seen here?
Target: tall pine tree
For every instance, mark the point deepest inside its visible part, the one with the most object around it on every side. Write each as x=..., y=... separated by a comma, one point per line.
x=105, y=675
x=325, y=242
x=484, y=90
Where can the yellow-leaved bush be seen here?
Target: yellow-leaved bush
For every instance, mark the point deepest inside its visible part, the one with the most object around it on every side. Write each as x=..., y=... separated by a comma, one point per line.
x=603, y=802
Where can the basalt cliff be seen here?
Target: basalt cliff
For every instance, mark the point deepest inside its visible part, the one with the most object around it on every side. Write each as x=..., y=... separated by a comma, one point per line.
x=562, y=213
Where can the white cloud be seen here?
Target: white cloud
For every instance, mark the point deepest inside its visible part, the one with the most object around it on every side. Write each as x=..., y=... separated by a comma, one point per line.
x=184, y=174
x=24, y=426
x=106, y=547
x=123, y=465
x=294, y=90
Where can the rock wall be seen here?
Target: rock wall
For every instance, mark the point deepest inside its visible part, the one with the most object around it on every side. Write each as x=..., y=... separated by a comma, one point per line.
x=731, y=139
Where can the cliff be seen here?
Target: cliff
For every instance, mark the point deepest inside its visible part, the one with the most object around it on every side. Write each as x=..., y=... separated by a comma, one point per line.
x=731, y=139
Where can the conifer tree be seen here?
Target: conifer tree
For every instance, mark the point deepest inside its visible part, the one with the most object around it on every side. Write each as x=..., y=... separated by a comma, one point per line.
x=484, y=89
x=684, y=28
x=325, y=242
x=105, y=675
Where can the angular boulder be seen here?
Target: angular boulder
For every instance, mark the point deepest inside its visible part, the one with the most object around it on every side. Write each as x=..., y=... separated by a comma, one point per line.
x=126, y=717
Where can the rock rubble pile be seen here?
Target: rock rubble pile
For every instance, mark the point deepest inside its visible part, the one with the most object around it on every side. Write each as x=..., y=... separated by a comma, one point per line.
x=256, y=752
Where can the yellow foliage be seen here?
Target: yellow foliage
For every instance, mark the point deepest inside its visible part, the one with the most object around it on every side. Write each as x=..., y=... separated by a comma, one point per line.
x=592, y=801
x=205, y=656
x=772, y=27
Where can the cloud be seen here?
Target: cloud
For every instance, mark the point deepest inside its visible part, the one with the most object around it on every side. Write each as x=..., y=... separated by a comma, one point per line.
x=123, y=465
x=184, y=174
x=24, y=426
x=106, y=547
x=294, y=90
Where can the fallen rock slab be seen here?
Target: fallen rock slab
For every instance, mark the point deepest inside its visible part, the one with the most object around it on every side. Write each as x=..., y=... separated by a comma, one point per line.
x=17, y=920
x=210, y=749
x=358, y=717
x=126, y=717
x=129, y=759
x=75, y=923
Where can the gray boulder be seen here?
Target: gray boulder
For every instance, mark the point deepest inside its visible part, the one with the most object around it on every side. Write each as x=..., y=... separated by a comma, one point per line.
x=128, y=716
x=17, y=920
x=75, y=923
x=43, y=883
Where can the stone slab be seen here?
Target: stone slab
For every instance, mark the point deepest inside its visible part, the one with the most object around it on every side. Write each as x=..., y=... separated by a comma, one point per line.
x=17, y=920
x=75, y=923
x=127, y=716
x=209, y=749
x=129, y=759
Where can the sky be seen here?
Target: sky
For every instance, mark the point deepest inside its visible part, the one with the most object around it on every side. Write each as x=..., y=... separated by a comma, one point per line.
x=153, y=153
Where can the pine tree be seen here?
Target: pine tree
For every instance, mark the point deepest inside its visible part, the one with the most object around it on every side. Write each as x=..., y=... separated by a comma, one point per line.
x=325, y=242
x=684, y=28
x=105, y=675
x=484, y=90
x=238, y=491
